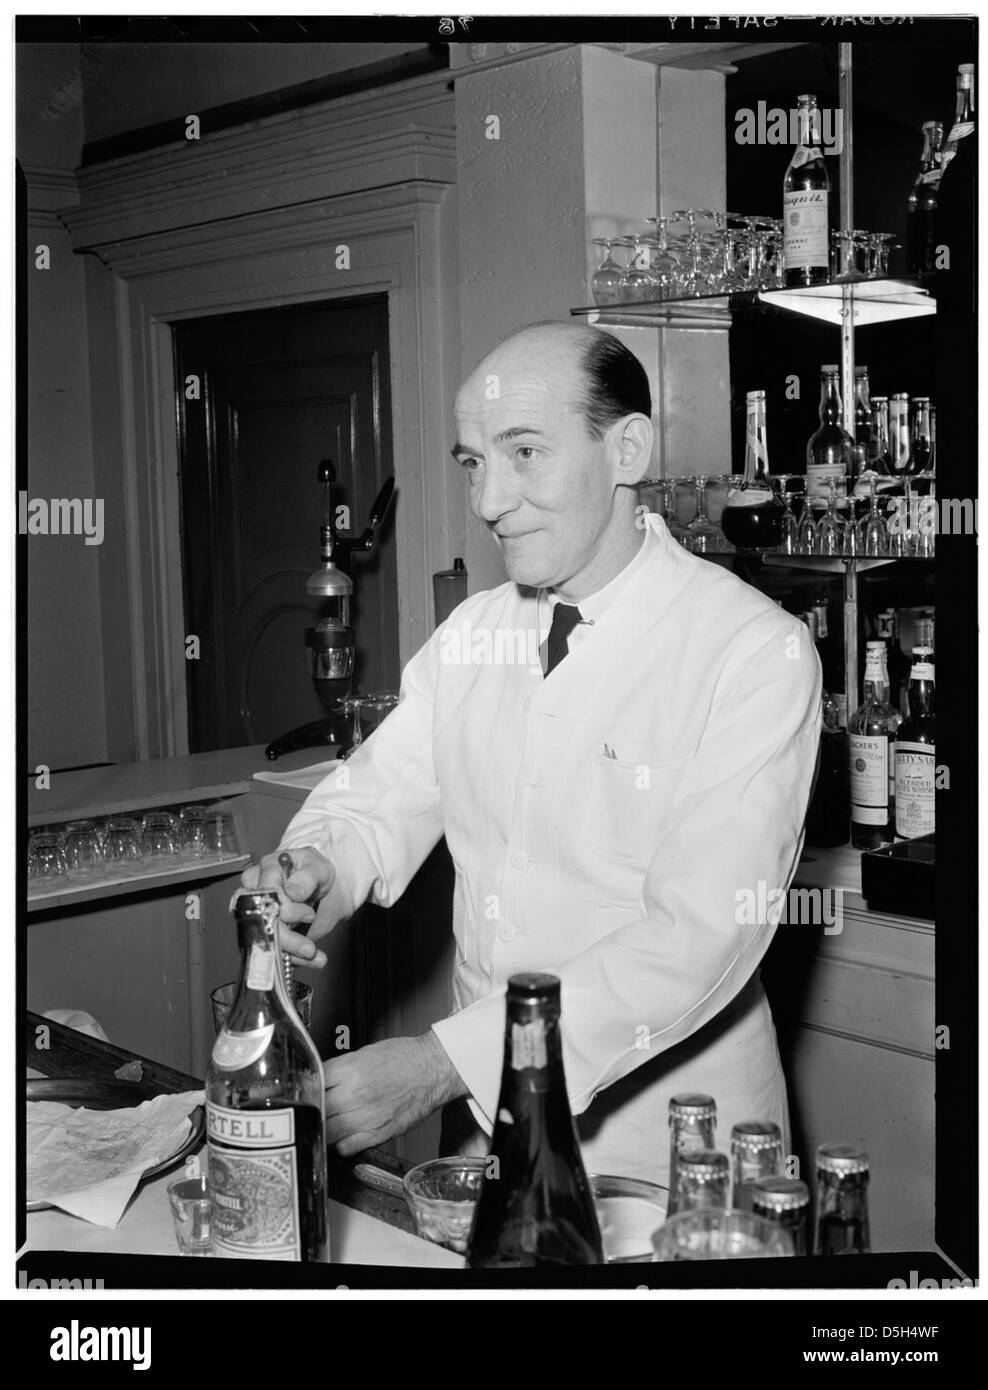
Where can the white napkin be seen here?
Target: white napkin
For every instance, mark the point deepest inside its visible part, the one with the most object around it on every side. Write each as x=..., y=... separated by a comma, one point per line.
x=88, y=1162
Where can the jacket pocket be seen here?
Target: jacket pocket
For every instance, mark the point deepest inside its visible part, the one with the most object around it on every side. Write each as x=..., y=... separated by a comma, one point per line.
x=629, y=806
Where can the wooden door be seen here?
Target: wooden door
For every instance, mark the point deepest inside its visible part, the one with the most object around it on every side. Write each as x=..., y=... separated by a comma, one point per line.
x=279, y=391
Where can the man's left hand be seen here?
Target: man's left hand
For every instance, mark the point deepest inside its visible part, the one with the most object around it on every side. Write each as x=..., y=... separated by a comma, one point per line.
x=385, y=1088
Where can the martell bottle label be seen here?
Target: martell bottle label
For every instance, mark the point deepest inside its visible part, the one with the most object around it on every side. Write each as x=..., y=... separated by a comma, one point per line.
x=805, y=214
x=253, y=1183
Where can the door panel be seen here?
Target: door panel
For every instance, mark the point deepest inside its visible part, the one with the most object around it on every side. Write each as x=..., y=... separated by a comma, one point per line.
x=281, y=390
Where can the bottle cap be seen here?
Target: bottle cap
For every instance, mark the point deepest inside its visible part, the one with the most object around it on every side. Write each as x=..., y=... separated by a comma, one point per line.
x=830, y=368
x=703, y=1165
x=694, y=1105
x=811, y=96
x=779, y=1194
x=754, y=396
x=755, y=1135
x=842, y=1159
x=965, y=75
x=534, y=987
x=861, y=371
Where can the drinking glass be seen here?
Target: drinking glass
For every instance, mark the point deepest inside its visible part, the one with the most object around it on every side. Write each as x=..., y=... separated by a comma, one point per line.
x=720, y=1235
x=83, y=851
x=665, y=267
x=806, y=538
x=222, y=997
x=374, y=709
x=160, y=837
x=220, y=835
x=192, y=832
x=873, y=536
x=790, y=526
x=830, y=529
x=122, y=845
x=637, y=280
x=605, y=284
x=191, y=1209
x=45, y=856
x=704, y=538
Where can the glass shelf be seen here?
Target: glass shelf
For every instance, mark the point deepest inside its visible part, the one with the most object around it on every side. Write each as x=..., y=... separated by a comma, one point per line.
x=874, y=301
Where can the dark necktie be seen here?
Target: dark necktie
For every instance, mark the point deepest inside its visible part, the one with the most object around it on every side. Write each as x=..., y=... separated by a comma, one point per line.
x=564, y=619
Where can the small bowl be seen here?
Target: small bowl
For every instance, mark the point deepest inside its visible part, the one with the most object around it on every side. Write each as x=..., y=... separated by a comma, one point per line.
x=442, y=1197
x=629, y=1212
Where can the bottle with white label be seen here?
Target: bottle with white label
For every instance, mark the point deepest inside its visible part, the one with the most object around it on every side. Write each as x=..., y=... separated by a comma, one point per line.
x=871, y=736
x=915, y=753
x=264, y=1110
x=806, y=203
x=829, y=449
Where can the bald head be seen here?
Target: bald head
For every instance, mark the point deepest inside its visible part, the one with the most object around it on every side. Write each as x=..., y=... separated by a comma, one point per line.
x=585, y=370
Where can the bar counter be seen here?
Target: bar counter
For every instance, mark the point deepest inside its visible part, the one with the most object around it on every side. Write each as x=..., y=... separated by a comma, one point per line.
x=366, y=1226
x=853, y=1000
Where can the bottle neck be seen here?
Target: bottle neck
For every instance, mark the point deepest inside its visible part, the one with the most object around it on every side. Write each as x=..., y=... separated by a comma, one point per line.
x=922, y=692
x=756, y=445
x=261, y=986
x=846, y=1193
x=830, y=402
x=533, y=1057
x=688, y=1133
x=964, y=110
x=808, y=131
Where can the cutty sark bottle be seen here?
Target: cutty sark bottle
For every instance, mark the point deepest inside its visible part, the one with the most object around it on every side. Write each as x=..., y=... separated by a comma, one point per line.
x=536, y=1206
x=264, y=1110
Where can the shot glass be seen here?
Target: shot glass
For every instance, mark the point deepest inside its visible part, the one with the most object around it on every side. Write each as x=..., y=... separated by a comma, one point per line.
x=190, y=1206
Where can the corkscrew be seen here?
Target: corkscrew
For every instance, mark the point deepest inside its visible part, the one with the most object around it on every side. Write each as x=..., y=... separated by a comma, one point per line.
x=287, y=866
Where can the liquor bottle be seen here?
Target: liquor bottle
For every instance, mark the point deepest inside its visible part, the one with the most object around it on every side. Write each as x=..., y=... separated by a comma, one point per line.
x=879, y=457
x=900, y=451
x=897, y=663
x=264, y=1110
x=872, y=729
x=786, y=1202
x=921, y=443
x=692, y=1121
x=921, y=204
x=756, y=1148
x=752, y=515
x=828, y=449
x=828, y=819
x=862, y=450
x=915, y=753
x=842, y=1200
x=538, y=1208
x=959, y=142
x=806, y=204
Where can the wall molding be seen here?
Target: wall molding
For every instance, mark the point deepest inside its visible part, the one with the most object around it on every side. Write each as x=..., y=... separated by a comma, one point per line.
x=251, y=220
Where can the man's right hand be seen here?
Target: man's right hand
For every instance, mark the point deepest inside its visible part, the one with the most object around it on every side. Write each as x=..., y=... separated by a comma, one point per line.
x=310, y=880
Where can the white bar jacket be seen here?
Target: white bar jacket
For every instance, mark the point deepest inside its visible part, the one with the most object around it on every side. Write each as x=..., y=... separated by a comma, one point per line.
x=612, y=823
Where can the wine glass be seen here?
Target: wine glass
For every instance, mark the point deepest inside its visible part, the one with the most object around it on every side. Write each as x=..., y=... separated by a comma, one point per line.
x=873, y=536
x=665, y=267
x=667, y=492
x=637, y=280
x=806, y=538
x=606, y=281
x=790, y=526
x=705, y=537
x=830, y=529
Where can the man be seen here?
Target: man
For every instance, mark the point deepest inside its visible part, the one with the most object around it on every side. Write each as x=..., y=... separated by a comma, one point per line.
x=609, y=808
